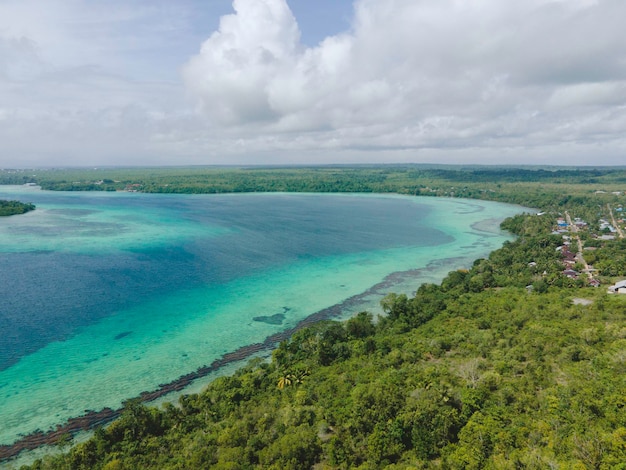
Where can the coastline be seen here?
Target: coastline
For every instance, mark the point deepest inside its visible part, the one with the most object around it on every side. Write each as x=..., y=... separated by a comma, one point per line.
x=39, y=439
x=93, y=419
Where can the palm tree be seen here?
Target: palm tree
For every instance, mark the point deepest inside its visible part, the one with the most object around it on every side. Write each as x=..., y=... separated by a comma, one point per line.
x=292, y=378
x=285, y=381
x=299, y=375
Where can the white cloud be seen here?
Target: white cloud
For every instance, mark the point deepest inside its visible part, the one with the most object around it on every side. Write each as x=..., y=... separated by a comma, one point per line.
x=237, y=63
x=18, y=58
x=421, y=74
x=77, y=85
x=411, y=80
x=588, y=94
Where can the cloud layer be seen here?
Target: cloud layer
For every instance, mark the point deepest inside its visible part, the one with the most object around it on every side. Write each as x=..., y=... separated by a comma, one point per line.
x=480, y=81
x=467, y=77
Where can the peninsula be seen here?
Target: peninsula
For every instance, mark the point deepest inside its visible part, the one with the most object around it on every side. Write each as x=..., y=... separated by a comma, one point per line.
x=14, y=207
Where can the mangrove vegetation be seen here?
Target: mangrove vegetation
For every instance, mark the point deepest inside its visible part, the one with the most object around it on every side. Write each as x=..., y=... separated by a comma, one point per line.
x=14, y=207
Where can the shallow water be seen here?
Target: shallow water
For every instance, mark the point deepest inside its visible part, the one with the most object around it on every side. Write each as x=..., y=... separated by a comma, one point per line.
x=106, y=295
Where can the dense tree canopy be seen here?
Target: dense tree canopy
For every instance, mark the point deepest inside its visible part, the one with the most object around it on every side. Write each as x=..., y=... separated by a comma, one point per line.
x=545, y=188
x=14, y=207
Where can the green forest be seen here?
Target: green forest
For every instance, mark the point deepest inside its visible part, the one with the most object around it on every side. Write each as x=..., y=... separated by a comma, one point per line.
x=509, y=364
x=14, y=207
x=532, y=186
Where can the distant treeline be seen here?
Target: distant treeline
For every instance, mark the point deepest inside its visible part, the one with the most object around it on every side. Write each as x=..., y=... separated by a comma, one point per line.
x=559, y=186
x=14, y=207
x=511, y=175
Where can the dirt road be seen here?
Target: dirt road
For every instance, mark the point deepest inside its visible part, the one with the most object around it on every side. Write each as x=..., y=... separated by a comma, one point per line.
x=619, y=230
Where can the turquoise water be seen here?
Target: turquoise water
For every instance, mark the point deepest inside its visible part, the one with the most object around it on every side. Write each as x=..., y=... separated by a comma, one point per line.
x=107, y=295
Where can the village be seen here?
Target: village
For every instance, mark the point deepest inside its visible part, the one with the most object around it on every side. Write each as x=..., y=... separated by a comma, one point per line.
x=573, y=248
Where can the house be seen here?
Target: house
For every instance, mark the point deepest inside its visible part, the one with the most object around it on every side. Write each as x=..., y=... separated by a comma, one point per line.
x=594, y=282
x=568, y=255
x=570, y=273
x=606, y=225
x=618, y=288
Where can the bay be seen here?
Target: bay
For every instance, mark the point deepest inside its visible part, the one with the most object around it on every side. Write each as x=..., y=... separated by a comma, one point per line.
x=106, y=295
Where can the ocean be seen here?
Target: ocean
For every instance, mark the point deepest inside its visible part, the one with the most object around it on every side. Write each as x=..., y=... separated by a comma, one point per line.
x=104, y=296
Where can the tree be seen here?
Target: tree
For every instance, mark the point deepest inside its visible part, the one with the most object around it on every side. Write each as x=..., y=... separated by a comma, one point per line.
x=361, y=326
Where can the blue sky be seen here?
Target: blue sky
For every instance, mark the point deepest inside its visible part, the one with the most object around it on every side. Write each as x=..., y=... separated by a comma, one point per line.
x=95, y=82
x=319, y=19
x=316, y=19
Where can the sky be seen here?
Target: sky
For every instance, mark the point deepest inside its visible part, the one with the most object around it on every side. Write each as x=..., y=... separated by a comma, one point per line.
x=204, y=82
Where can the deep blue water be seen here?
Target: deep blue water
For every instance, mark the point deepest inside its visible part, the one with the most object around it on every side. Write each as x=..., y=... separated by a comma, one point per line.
x=47, y=295
x=104, y=296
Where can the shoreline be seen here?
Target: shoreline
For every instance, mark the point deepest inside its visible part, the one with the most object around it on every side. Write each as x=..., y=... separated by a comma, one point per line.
x=93, y=419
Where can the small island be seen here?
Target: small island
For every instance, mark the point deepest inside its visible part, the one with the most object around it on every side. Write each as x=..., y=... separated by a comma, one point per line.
x=14, y=207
